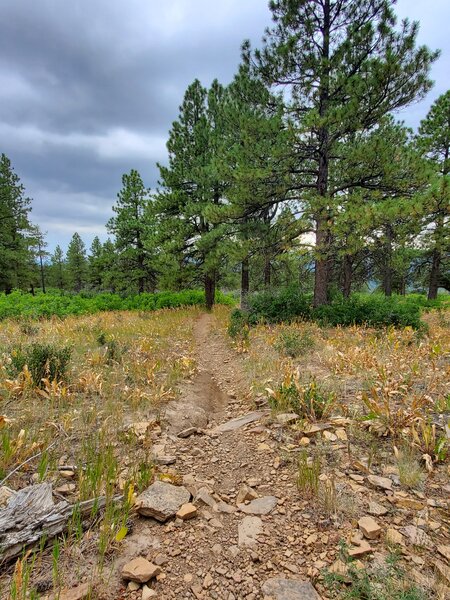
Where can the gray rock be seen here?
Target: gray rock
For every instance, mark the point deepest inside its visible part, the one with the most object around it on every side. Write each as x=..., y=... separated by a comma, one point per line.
x=289, y=589
x=204, y=496
x=260, y=506
x=248, y=531
x=162, y=500
x=380, y=482
x=287, y=418
x=187, y=432
x=240, y=421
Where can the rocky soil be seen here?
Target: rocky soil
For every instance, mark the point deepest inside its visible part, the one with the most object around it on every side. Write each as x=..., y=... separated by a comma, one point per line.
x=229, y=522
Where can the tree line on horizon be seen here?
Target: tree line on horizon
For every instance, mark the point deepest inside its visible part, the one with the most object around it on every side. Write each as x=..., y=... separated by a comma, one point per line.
x=297, y=171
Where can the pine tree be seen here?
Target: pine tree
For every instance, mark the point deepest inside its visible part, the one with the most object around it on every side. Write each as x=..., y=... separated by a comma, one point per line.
x=57, y=271
x=346, y=65
x=15, y=253
x=191, y=183
x=95, y=264
x=76, y=263
x=434, y=141
x=129, y=229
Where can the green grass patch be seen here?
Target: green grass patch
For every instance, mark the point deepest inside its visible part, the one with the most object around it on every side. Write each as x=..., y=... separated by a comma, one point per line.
x=23, y=305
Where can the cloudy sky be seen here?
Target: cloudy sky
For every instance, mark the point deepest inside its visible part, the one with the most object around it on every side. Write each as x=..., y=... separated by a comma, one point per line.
x=89, y=89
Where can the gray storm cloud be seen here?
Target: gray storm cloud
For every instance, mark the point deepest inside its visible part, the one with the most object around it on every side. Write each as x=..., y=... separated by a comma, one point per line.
x=89, y=89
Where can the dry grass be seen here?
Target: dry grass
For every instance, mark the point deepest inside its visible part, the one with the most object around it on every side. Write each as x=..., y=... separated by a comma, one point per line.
x=124, y=367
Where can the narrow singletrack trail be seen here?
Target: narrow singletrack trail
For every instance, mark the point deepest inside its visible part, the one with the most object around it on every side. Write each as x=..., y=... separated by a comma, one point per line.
x=225, y=552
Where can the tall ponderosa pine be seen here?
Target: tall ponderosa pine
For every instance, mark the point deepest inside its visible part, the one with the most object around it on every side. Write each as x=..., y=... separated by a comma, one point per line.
x=191, y=183
x=128, y=227
x=57, y=270
x=15, y=251
x=346, y=65
x=434, y=141
x=76, y=263
x=95, y=264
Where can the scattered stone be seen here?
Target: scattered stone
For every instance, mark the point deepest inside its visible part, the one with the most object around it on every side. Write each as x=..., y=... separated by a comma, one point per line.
x=187, y=511
x=140, y=570
x=287, y=418
x=370, y=528
x=378, y=510
x=417, y=537
x=329, y=436
x=148, y=593
x=67, y=474
x=240, y=421
x=162, y=500
x=140, y=429
x=444, y=551
x=204, y=496
x=208, y=581
x=133, y=586
x=380, y=482
x=217, y=549
x=67, y=488
x=340, y=569
x=443, y=570
x=165, y=460
x=394, y=537
x=223, y=507
x=289, y=589
x=314, y=428
x=408, y=503
x=245, y=493
x=304, y=441
x=185, y=433
x=260, y=506
x=81, y=592
x=341, y=434
x=248, y=531
x=161, y=559
x=361, y=550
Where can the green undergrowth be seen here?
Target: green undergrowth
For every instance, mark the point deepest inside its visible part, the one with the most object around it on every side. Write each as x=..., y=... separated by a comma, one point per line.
x=372, y=310
x=23, y=305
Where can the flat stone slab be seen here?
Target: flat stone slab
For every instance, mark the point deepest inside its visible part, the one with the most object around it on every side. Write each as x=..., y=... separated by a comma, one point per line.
x=248, y=531
x=162, y=500
x=289, y=589
x=260, y=506
x=239, y=422
x=287, y=418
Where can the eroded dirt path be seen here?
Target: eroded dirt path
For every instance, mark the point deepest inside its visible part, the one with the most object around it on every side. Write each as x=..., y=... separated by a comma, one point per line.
x=225, y=553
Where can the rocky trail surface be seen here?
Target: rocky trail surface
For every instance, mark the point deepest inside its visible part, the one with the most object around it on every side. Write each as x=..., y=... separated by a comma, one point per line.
x=226, y=521
x=243, y=537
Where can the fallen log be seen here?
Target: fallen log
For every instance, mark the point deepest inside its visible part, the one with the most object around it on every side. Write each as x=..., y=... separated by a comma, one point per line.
x=32, y=514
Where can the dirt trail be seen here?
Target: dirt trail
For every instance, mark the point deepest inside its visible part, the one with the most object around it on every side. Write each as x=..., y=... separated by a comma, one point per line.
x=224, y=553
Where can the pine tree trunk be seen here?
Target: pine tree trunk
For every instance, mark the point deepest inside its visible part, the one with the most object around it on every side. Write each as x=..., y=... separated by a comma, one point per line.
x=267, y=271
x=42, y=273
x=210, y=291
x=434, y=275
x=322, y=263
x=245, y=283
x=347, y=276
x=387, y=270
x=323, y=234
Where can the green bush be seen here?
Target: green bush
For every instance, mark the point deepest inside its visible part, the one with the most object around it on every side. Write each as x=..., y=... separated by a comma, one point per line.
x=309, y=400
x=284, y=305
x=374, y=310
x=23, y=305
x=238, y=323
x=294, y=342
x=44, y=361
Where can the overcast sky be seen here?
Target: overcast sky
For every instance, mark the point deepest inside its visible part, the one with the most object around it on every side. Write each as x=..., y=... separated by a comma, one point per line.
x=89, y=89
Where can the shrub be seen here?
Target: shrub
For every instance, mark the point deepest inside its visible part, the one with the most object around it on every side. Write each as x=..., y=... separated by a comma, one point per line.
x=295, y=342
x=308, y=400
x=284, y=305
x=44, y=361
x=238, y=324
x=20, y=304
